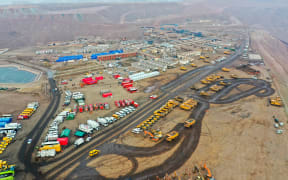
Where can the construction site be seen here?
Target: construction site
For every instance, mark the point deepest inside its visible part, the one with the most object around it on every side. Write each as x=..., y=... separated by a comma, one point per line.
x=188, y=101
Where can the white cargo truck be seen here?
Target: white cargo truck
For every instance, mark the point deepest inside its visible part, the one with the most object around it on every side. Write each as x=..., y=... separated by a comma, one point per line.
x=102, y=121
x=78, y=142
x=95, y=125
x=13, y=126
x=85, y=128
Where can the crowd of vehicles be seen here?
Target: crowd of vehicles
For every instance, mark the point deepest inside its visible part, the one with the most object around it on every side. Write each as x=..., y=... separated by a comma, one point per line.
x=30, y=109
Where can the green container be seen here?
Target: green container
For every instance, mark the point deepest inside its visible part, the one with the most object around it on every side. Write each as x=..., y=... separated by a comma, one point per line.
x=65, y=133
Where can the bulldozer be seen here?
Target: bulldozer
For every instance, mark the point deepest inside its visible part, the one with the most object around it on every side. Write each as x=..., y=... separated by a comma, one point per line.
x=171, y=136
x=216, y=88
x=189, y=123
x=203, y=93
x=234, y=76
x=94, y=152
x=179, y=99
x=193, y=65
x=182, y=68
x=225, y=69
x=276, y=101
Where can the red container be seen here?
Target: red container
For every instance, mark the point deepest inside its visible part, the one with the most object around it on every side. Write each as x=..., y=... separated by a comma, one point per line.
x=131, y=101
x=132, y=89
x=86, y=108
x=80, y=109
x=63, y=141
x=101, y=106
x=106, y=95
x=99, y=78
x=95, y=106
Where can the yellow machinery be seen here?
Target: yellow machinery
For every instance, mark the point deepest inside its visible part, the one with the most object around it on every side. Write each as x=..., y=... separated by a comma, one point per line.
x=155, y=135
x=116, y=116
x=227, y=52
x=202, y=57
x=179, y=99
x=183, y=68
x=94, y=152
x=57, y=147
x=189, y=104
x=193, y=65
x=207, y=56
x=216, y=88
x=203, y=93
x=171, y=136
x=213, y=77
x=276, y=101
x=208, y=172
x=189, y=123
x=205, y=81
x=234, y=76
x=206, y=61
x=225, y=69
x=223, y=83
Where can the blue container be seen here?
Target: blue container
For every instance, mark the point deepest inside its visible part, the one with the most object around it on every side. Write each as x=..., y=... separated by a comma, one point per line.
x=6, y=119
x=2, y=124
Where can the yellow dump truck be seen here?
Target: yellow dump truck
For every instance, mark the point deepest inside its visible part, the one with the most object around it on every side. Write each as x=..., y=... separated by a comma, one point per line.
x=276, y=101
x=234, y=76
x=189, y=104
x=205, y=81
x=171, y=136
x=189, y=123
x=203, y=93
x=182, y=68
x=193, y=65
x=224, y=83
x=179, y=99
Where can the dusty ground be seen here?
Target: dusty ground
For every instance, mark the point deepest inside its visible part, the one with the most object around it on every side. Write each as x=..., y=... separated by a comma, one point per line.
x=238, y=141
x=275, y=54
x=108, y=165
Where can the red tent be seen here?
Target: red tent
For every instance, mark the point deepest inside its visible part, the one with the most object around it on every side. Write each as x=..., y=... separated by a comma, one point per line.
x=63, y=141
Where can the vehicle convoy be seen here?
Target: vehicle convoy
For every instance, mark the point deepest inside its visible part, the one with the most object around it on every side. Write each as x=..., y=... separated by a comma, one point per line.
x=276, y=101
x=172, y=135
x=7, y=172
x=94, y=152
x=189, y=123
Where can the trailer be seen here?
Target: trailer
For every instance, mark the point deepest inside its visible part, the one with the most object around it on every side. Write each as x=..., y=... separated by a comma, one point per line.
x=79, y=142
x=102, y=121
x=85, y=128
x=93, y=124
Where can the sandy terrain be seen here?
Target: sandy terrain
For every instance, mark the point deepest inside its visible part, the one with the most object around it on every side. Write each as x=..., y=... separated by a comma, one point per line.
x=238, y=141
x=275, y=55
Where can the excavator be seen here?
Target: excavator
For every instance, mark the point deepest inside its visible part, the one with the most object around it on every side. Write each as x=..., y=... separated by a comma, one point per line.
x=155, y=135
x=171, y=136
x=189, y=123
x=276, y=101
x=208, y=172
x=94, y=152
x=224, y=69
